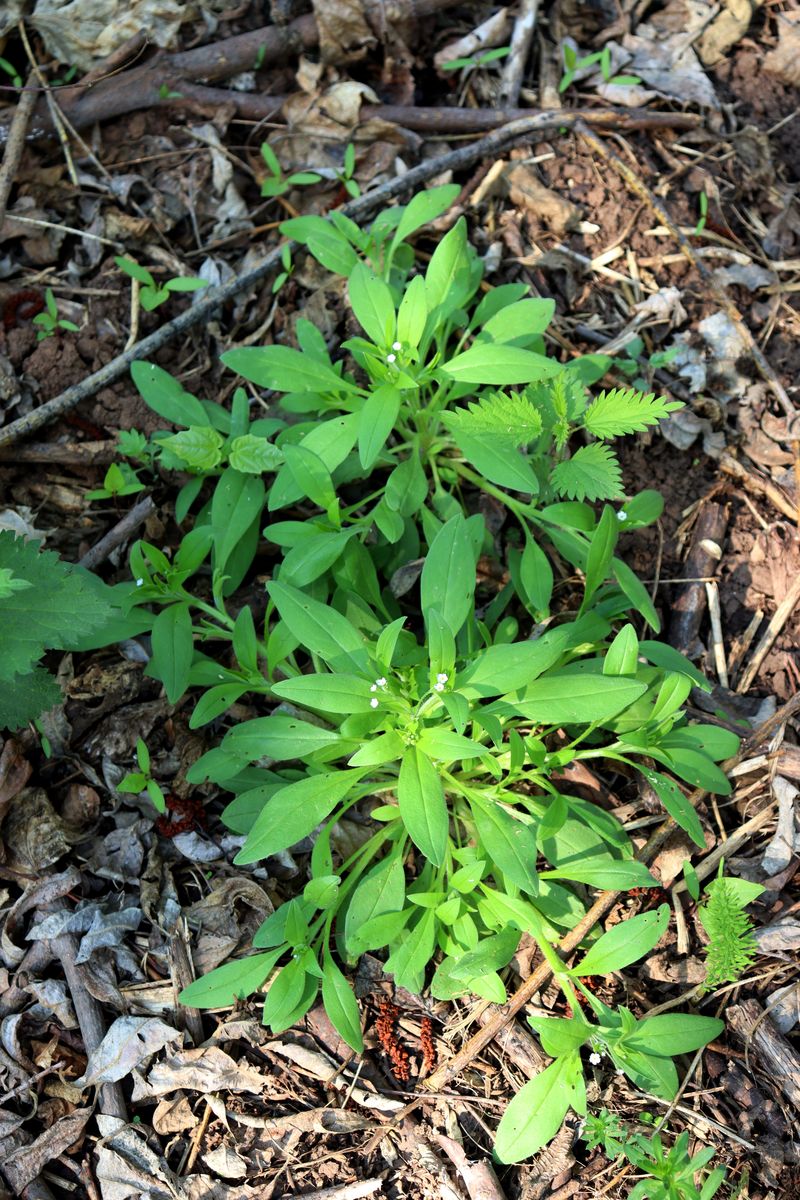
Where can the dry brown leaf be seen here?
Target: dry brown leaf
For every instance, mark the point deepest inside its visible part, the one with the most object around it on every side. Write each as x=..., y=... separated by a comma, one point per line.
x=344, y=34
x=129, y=1041
x=174, y=1114
x=26, y=1163
x=35, y=836
x=784, y=60
x=545, y=206
x=726, y=30
x=207, y=1069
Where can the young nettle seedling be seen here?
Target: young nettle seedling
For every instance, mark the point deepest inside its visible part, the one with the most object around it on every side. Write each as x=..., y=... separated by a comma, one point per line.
x=276, y=183
x=142, y=780
x=477, y=60
x=573, y=64
x=152, y=294
x=288, y=268
x=703, y=203
x=345, y=176
x=120, y=480
x=49, y=320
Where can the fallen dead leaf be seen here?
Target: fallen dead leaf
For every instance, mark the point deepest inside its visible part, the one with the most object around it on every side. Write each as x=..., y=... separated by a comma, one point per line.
x=207, y=1069
x=26, y=1164
x=129, y=1041
x=784, y=60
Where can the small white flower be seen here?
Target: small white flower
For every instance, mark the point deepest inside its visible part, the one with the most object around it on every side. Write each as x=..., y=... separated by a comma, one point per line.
x=373, y=687
x=381, y=682
x=397, y=345
x=619, y=1071
x=595, y=1059
x=438, y=687
x=441, y=677
x=139, y=582
x=622, y=516
x=374, y=703
x=390, y=358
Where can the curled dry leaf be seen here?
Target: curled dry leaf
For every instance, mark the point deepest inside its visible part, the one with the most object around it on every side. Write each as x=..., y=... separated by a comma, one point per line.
x=26, y=1164
x=344, y=34
x=205, y=1070
x=129, y=1041
x=784, y=60
x=35, y=835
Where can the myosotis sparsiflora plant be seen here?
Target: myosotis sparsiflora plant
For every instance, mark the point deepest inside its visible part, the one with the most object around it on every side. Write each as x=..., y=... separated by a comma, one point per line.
x=435, y=713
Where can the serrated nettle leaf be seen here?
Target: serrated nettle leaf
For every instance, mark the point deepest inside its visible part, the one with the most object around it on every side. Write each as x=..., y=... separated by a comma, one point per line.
x=254, y=455
x=592, y=473
x=624, y=410
x=199, y=448
x=420, y=797
x=624, y=943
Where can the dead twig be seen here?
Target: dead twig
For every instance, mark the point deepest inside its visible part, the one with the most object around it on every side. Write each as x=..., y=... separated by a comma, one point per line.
x=780, y=1061
x=515, y=64
x=479, y=1177
x=118, y=533
x=689, y=604
x=760, y=487
x=782, y=614
x=16, y=143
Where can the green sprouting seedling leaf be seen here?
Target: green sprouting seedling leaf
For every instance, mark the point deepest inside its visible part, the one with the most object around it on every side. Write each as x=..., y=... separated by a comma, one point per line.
x=592, y=473
x=622, y=411
x=199, y=448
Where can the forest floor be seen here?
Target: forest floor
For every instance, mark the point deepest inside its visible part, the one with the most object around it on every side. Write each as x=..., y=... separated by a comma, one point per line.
x=673, y=244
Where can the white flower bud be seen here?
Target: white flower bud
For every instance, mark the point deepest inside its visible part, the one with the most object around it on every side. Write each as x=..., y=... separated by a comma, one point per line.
x=595, y=1059
x=441, y=677
x=381, y=682
x=397, y=345
x=390, y=358
x=438, y=687
x=139, y=582
x=374, y=703
x=622, y=516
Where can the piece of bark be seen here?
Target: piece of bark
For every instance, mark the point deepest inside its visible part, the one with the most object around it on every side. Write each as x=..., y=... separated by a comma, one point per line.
x=690, y=601
x=518, y=1045
x=768, y=1048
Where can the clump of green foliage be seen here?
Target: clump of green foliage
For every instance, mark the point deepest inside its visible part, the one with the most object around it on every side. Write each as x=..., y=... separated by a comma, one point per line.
x=151, y=293
x=49, y=322
x=45, y=604
x=732, y=947
x=397, y=690
x=670, y=1174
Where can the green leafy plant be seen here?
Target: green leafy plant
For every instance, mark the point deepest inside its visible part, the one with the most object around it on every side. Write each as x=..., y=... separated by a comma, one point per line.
x=165, y=92
x=732, y=947
x=703, y=204
x=49, y=322
x=397, y=692
x=573, y=64
x=276, y=183
x=119, y=480
x=672, y=1174
x=346, y=175
x=475, y=61
x=45, y=604
x=288, y=267
x=142, y=780
x=12, y=72
x=152, y=294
